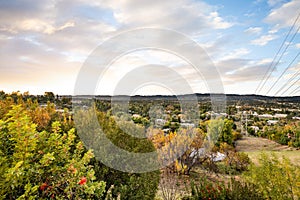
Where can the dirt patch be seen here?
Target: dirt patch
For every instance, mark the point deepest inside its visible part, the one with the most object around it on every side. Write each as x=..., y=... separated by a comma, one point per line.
x=249, y=144
x=254, y=146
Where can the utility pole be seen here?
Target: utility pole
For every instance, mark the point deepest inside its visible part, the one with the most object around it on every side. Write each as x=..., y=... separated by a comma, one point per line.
x=241, y=116
x=242, y=127
x=244, y=122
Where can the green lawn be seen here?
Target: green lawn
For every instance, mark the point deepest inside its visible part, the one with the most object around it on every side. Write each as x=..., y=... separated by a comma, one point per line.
x=254, y=146
x=294, y=156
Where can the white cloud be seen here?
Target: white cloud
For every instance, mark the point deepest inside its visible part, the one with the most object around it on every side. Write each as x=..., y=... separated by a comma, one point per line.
x=25, y=64
x=218, y=22
x=43, y=42
x=253, y=30
x=274, y=30
x=264, y=61
x=285, y=15
x=74, y=28
x=274, y=2
x=183, y=15
x=297, y=46
x=237, y=53
x=37, y=25
x=263, y=40
x=241, y=70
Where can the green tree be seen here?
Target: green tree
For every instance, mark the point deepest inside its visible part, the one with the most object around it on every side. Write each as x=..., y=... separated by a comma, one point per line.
x=49, y=96
x=125, y=185
x=43, y=165
x=220, y=130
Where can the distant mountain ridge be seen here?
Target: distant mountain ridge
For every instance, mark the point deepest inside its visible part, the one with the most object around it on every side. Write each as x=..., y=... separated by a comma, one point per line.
x=200, y=97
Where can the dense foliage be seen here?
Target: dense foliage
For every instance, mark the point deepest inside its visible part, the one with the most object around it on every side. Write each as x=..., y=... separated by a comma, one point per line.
x=232, y=190
x=43, y=164
x=125, y=185
x=42, y=157
x=288, y=134
x=275, y=178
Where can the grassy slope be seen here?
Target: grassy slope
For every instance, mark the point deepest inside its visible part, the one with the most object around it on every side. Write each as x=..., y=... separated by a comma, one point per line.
x=253, y=146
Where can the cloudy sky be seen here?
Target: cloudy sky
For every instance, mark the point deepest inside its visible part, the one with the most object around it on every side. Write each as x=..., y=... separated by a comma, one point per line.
x=43, y=44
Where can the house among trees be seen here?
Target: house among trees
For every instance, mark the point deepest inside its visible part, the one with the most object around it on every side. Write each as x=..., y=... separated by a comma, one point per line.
x=272, y=122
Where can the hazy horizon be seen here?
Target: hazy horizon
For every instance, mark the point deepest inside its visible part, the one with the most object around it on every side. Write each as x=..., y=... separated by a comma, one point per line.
x=253, y=44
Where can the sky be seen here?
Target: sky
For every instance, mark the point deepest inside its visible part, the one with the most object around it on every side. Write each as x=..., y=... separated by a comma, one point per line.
x=44, y=45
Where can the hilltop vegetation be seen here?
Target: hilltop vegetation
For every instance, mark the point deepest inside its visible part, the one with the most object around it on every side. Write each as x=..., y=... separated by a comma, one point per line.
x=43, y=157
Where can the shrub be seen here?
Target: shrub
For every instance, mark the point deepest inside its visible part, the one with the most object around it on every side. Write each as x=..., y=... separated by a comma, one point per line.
x=43, y=165
x=238, y=161
x=274, y=178
x=235, y=162
x=241, y=190
x=233, y=190
x=206, y=190
x=121, y=184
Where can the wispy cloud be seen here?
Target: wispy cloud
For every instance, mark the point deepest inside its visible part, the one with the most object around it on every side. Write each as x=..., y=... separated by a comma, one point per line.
x=274, y=2
x=284, y=15
x=263, y=40
x=253, y=30
x=183, y=15
x=237, y=53
x=236, y=71
x=49, y=39
x=44, y=43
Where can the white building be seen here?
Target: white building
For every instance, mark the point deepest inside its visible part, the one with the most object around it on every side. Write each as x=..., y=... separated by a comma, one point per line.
x=136, y=116
x=265, y=116
x=280, y=115
x=187, y=125
x=160, y=122
x=272, y=122
x=297, y=118
x=255, y=128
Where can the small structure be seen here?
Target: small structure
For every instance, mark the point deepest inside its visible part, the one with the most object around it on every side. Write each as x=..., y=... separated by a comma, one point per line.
x=272, y=122
x=215, y=157
x=187, y=125
x=255, y=114
x=276, y=109
x=136, y=116
x=255, y=128
x=160, y=122
x=166, y=131
x=265, y=116
x=280, y=115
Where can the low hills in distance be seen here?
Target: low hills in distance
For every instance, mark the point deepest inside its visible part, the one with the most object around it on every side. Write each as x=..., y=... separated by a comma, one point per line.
x=200, y=97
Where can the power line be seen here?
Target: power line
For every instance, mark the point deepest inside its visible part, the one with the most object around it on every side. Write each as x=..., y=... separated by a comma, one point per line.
x=264, y=80
x=289, y=81
x=259, y=86
x=282, y=54
x=290, y=86
x=283, y=72
x=295, y=90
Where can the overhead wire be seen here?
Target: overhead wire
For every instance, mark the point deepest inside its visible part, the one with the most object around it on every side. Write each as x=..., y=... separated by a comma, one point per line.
x=282, y=54
x=268, y=73
x=295, y=91
x=281, y=75
x=290, y=86
x=297, y=73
